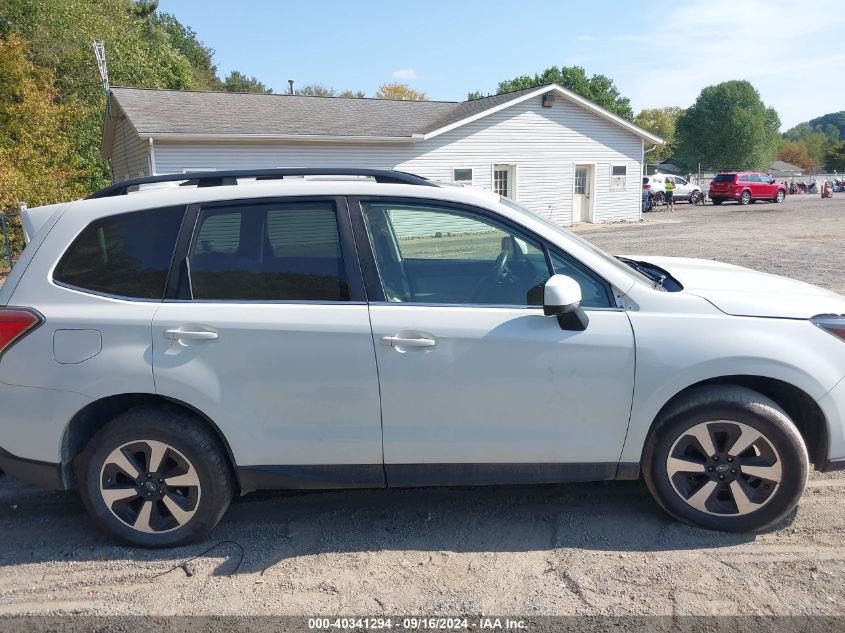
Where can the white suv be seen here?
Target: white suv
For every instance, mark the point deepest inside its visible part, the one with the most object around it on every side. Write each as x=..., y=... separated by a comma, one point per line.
x=165, y=350
x=683, y=190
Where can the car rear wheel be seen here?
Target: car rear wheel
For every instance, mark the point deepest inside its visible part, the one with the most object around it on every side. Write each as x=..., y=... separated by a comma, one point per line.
x=726, y=458
x=659, y=199
x=779, y=196
x=717, y=200
x=155, y=477
x=745, y=198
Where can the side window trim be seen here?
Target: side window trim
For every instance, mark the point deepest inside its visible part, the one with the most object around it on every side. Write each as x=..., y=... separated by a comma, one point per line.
x=372, y=280
x=179, y=290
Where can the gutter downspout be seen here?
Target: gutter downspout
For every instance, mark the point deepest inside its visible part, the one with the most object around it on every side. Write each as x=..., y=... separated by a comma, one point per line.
x=646, y=151
x=153, y=156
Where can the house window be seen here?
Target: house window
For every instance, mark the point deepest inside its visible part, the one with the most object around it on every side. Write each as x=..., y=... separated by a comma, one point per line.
x=462, y=175
x=618, y=177
x=504, y=177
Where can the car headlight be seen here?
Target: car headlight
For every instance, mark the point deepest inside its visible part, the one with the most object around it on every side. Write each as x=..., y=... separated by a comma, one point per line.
x=831, y=323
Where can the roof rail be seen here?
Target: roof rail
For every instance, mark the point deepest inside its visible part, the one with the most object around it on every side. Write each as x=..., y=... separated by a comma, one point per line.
x=222, y=178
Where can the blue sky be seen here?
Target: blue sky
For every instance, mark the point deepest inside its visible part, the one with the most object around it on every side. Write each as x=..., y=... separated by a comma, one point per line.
x=658, y=53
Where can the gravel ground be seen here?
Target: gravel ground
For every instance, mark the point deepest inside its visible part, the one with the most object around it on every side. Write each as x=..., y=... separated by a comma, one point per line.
x=571, y=549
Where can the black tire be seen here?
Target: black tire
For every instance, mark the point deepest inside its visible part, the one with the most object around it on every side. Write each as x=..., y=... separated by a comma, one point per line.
x=779, y=196
x=188, y=441
x=717, y=201
x=736, y=406
x=659, y=199
x=745, y=198
x=694, y=197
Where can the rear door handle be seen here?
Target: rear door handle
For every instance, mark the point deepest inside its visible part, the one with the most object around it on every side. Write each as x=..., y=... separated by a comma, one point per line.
x=190, y=335
x=401, y=341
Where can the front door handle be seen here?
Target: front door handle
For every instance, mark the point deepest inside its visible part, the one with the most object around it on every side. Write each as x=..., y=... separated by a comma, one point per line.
x=401, y=341
x=190, y=335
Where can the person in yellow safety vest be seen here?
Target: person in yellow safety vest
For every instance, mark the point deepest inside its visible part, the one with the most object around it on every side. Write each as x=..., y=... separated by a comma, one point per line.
x=670, y=194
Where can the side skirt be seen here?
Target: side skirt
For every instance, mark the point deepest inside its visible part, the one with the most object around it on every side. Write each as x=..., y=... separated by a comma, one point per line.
x=333, y=477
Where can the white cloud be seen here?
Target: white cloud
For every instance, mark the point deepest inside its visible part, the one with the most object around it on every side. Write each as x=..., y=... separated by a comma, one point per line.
x=408, y=73
x=786, y=51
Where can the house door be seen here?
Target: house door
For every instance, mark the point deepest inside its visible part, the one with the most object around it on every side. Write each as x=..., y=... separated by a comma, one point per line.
x=583, y=186
x=504, y=177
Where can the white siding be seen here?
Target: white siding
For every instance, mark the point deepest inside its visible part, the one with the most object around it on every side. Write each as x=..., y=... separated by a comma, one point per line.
x=130, y=156
x=544, y=143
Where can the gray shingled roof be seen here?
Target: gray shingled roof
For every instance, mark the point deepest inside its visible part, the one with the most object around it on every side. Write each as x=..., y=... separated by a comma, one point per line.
x=182, y=112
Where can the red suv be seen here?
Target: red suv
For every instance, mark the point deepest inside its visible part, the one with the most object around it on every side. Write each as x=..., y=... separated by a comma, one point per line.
x=745, y=187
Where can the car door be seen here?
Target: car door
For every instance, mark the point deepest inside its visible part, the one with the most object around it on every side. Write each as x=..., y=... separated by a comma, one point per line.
x=768, y=186
x=682, y=188
x=266, y=331
x=477, y=386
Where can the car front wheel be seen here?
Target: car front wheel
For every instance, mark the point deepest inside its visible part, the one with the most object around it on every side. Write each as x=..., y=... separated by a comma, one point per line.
x=726, y=458
x=780, y=196
x=155, y=477
x=694, y=197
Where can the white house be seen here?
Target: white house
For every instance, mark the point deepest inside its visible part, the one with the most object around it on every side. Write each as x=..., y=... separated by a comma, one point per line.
x=549, y=149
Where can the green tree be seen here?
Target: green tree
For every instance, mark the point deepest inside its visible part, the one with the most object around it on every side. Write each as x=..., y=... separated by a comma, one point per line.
x=835, y=158
x=349, y=94
x=728, y=126
x=38, y=160
x=185, y=40
x=138, y=49
x=476, y=94
x=236, y=81
x=599, y=89
x=400, y=92
x=660, y=121
x=317, y=90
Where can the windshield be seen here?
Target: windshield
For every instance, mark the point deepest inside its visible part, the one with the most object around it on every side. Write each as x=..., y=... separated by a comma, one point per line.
x=571, y=237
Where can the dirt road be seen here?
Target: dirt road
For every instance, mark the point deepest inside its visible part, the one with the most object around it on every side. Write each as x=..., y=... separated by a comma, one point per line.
x=570, y=549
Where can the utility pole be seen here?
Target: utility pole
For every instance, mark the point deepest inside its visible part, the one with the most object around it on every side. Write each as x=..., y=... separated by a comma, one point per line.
x=100, y=54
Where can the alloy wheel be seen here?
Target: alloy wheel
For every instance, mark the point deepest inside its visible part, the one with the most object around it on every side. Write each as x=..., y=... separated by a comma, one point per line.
x=724, y=468
x=150, y=486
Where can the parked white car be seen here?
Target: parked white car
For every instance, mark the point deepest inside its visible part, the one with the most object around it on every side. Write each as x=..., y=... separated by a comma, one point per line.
x=165, y=350
x=684, y=190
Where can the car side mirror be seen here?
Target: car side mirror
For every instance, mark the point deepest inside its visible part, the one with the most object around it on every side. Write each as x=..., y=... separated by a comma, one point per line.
x=562, y=298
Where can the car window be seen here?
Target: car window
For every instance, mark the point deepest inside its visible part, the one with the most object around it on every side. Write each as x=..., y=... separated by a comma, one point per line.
x=756, y=178
x=280, y=252
x=680, y=181
x=430, y=254
x=127, y=255
x=594, y=291
x=724, y=178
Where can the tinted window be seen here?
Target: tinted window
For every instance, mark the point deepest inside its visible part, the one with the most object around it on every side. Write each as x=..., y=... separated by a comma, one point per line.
x=126, y=255
x=428, y=254
x=284, y=252
x=725, y=178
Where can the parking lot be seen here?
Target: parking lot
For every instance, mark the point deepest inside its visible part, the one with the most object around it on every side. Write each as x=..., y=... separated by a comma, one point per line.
x=603, y=548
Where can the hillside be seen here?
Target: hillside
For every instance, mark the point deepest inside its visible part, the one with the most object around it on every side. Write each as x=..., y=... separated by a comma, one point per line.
x=831, y=125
